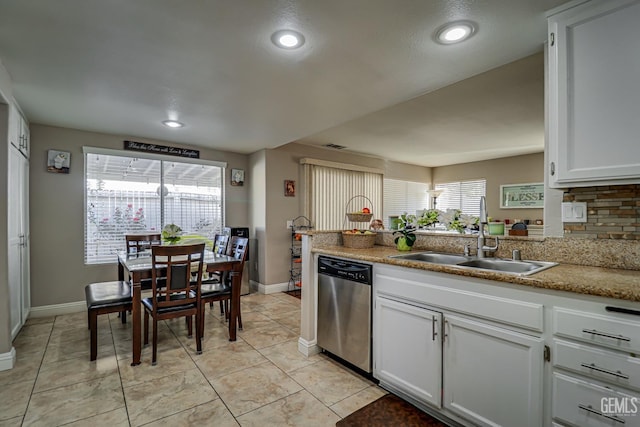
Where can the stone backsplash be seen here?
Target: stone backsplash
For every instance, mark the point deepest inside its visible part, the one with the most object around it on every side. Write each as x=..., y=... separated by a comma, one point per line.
x=613, y=212
x=611, y=253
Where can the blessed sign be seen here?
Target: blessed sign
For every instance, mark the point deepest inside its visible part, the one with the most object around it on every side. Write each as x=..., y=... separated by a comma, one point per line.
x=161, y=149
x=522, y=196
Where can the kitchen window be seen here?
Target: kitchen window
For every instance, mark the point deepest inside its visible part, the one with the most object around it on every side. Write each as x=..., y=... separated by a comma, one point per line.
x=335, y=188
x=126, y=194
x=403, y=196
x=463, y=195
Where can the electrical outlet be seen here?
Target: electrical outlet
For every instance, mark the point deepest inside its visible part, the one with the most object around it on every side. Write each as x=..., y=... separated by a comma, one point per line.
x=289, y=223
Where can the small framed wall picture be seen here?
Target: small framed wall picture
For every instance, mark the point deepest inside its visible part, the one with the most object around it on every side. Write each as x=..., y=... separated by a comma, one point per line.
x=237, y=177
x=58, y=161
x=289, y=188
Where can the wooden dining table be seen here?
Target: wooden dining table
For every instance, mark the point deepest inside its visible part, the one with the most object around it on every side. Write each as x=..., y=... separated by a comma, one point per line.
x=136, y=267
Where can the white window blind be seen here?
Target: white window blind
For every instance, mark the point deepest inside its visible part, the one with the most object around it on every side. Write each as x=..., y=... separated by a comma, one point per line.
x=331, y=190
x=403, y=196
x=464, y=195
x=129, y=194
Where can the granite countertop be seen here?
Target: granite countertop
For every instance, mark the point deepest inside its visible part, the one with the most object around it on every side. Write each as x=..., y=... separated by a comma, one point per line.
x=603, y=282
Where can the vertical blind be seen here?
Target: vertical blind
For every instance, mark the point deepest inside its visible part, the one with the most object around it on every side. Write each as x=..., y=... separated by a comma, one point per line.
x=335, y=191
x=403, y=196
x=463, y=195
x=127, y=195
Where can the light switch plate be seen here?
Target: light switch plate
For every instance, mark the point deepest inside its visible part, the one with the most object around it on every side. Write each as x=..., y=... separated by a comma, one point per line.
x=574, y=212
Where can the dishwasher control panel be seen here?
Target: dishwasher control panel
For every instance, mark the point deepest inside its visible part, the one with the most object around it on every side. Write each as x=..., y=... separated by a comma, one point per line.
x=348, y=270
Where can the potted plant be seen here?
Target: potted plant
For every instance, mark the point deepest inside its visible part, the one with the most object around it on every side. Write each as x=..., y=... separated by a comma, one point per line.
x=406, y=236
x=429, y=217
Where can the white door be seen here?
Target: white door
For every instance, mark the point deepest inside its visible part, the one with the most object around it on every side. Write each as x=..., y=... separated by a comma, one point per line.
x=594, y=92
x=18, y=251
x=408, y=349
x=492, y=376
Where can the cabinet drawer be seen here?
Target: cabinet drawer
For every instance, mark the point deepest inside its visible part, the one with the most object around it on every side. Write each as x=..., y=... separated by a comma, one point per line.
x=621, y=334
x=597, y=363
x=585, y=404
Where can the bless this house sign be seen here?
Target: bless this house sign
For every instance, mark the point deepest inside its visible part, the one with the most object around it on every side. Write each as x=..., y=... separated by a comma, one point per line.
x=161, y=149
x=522, y=196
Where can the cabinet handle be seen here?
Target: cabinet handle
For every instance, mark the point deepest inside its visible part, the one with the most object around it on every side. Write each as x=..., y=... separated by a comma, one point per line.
x=603, y=334
x=552, y=168
x=589, y=408
x=552, y=39
x=593, y=366
x=433, y=328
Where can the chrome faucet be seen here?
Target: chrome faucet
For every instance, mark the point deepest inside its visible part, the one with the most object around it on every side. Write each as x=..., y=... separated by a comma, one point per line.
x=481, y=238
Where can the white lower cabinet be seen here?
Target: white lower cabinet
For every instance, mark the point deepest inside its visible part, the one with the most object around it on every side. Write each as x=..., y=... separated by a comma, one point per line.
x=408, y=349
x=492, y=376
x=583, y=403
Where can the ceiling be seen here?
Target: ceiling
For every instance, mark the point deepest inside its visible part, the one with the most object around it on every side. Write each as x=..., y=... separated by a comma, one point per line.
x=368, y=76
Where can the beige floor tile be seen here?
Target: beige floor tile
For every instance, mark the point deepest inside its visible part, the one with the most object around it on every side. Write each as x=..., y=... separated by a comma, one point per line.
x=25, y=368
x=13, y=422
x=329, y=382
x=231, y=358
x=210, y=413
x=358, y=400
x=288, y=298
x=249, y=389
x=74, y=371
x=36, y=330
x=115, y=418
x=169, y=362
x=79, y=349
x=29, y=345
x=255, y=320
x=75, y=320
x=299, y=409
x=167, y=395
x=268, y=336
x=40, y=320
x=289, y=320
x=277, y=308
x=287, y=357
x=14, y=399
x=75, y=402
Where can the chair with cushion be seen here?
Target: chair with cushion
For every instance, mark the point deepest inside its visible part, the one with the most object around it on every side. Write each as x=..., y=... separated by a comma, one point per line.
x=220, y=247
x=140, y=242
x=179, y=296
x=221, y=291
x=103, y=298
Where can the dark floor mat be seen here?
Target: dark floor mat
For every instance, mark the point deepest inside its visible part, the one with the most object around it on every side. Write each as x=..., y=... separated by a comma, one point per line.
x=295, y=293
x=389, y=410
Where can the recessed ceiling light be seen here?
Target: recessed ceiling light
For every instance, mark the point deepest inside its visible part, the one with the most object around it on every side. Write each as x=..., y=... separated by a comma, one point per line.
x=287, y=39
x=455, y=32
x=172, y=124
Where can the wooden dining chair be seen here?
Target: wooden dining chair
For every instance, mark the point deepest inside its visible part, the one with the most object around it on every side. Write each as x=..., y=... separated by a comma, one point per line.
x=103, y=298
x=180, y=295
x=220, y=247
x=212, y=292
x=138, y=242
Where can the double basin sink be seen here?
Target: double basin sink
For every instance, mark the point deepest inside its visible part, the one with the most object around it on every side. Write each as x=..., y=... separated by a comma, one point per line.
x=520, y=268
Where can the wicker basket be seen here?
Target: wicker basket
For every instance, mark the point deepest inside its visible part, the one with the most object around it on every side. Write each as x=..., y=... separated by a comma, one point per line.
x=359, y=217
x=358, y=241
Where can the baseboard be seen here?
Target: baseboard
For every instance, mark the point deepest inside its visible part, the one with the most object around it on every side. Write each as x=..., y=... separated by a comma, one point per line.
x=8, y=360
x=58, y=309
x=308, y=348
x=270, y=289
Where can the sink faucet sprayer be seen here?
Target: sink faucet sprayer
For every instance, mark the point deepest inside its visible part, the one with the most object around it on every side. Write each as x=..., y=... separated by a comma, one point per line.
x=483, y=220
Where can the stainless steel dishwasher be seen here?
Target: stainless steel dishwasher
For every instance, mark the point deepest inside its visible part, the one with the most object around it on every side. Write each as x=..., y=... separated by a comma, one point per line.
x=344, y=310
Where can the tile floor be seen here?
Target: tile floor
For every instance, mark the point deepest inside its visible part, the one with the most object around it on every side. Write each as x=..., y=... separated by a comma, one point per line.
x=259, y=380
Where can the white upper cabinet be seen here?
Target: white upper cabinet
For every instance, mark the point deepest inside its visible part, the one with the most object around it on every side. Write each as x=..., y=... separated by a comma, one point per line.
x=594, y=94
x=18, y=130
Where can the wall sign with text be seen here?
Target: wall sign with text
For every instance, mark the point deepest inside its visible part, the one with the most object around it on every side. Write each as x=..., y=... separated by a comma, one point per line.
x=522, y=196
x=161, y=149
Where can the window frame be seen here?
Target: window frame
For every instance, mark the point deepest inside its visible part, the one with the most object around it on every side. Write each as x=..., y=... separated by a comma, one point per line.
x=142, y=155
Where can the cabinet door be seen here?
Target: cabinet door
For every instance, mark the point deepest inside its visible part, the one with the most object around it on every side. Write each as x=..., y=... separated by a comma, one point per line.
x=408, y=349
x=25, y=141
x=17, y=221
x=492, y=376
x=593, y=93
